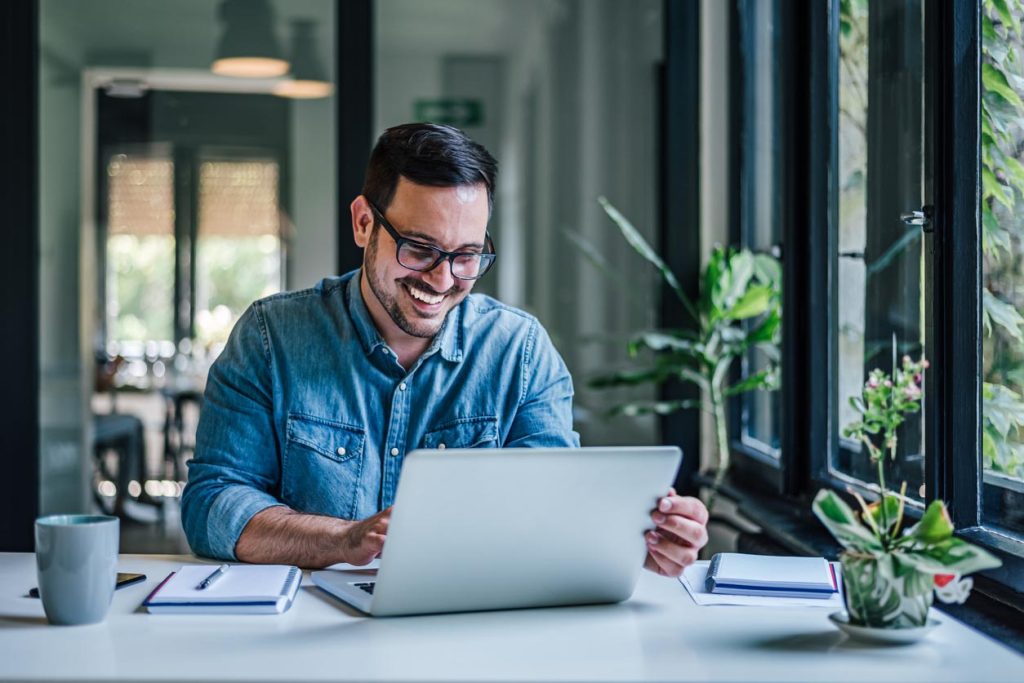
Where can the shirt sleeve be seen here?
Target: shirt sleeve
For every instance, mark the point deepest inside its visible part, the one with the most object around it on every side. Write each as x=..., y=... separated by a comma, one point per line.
x=544, y=414
x=236, y=470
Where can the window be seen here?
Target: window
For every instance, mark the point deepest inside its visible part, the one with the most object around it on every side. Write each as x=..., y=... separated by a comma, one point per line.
x=140, y=248
x=193, y=226
x=762, y=183
x=239, y=248
x=1002, y=253
x=882, y=175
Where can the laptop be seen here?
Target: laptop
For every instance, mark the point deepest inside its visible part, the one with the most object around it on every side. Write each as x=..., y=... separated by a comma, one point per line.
x=484, y=529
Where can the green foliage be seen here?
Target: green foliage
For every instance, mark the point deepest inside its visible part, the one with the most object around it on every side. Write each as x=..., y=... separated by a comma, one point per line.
x=884, y=565
x=739, y=309
x=884, y=404
x=1002, y=145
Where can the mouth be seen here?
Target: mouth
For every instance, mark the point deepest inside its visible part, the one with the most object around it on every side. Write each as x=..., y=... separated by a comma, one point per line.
x=424, y=301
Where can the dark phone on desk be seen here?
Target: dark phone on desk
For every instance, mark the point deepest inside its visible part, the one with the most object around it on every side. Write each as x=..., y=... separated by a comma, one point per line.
x=123, y=579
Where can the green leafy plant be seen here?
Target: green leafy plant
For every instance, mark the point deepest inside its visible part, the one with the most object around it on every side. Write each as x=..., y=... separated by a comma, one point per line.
x=739, y=309
x=890, y=571
x=1002, y=175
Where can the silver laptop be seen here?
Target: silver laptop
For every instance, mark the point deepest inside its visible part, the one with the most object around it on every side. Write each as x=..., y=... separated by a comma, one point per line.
x=483, y=529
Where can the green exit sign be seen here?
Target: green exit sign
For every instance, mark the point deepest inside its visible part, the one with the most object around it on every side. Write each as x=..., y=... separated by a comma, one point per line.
x=454, y=111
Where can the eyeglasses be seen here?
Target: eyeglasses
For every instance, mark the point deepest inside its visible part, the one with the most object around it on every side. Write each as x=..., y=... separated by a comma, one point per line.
x=465, y=265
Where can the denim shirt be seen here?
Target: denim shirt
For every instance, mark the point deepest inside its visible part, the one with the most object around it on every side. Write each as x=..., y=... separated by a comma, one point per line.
x=308, y=407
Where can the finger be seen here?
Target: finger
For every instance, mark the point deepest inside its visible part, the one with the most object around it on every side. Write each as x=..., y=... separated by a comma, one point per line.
x=666, y=565
x=686, y=530
x=686, y=506
x=674, y=553
x=651, y=564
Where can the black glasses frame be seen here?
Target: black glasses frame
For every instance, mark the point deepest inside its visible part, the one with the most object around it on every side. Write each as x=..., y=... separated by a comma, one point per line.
x=487, y=258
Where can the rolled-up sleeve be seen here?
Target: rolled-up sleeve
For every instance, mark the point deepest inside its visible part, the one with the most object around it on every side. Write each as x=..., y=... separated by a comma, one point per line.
x=544, y=414
x=236, y=470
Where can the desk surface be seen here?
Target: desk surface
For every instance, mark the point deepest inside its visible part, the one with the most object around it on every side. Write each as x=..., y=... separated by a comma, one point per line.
x=657, y=635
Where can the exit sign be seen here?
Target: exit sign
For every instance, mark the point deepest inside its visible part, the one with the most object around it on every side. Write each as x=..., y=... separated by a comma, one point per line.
x=459, y=112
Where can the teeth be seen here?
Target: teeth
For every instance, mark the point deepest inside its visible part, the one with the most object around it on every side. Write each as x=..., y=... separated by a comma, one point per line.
x=424, y=297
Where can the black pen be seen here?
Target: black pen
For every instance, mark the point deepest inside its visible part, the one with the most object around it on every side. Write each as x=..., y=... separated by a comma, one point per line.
x=208, y=581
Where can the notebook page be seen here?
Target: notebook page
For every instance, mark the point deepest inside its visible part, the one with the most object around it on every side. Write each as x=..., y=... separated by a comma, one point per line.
x=240, y=583
x=768, y=570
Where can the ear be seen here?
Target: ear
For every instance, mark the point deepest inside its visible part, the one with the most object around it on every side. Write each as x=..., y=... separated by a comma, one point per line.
x=362, y=221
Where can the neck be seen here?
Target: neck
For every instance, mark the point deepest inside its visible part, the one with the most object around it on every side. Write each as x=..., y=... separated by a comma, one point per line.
x=407, y=347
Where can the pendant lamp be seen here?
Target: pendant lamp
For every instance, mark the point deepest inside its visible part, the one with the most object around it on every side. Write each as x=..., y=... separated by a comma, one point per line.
x=248, y=47
x=308, y=78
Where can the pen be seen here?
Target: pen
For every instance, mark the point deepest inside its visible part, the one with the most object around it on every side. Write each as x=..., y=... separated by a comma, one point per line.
x=208, y=581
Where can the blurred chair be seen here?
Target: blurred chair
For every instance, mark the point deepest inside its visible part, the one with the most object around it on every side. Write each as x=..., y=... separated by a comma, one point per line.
x=122, y=435
x=180, y=421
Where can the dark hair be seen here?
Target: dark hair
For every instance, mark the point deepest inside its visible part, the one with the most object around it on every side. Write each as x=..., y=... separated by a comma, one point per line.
x=428, y=154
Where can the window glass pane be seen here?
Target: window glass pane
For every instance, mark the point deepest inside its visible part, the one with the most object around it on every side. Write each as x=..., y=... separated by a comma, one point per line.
x=140, y=250
x=1002, y=295
x=764, y=196
x=881, y=176
x=238, y=252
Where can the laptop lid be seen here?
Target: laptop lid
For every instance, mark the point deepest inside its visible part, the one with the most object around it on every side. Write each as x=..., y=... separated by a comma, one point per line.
x=483, y=529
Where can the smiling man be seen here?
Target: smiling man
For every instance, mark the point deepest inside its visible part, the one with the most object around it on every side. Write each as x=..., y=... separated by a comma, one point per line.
x=319, y=394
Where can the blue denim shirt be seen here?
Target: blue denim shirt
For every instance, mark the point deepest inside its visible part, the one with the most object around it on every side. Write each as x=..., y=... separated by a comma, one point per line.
x=308, y=407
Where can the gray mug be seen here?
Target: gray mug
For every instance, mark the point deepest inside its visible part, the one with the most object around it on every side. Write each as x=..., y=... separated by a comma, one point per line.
x=76, y=565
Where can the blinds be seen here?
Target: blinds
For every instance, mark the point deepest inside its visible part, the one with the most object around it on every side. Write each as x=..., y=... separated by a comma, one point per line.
x=238, y=198
x=140, y=195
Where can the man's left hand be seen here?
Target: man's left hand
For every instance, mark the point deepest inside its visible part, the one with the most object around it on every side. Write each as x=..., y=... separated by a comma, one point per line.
x=679, y=534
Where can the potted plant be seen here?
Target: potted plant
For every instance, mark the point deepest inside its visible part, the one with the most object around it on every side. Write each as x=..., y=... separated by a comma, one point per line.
x=739, y=309
x=891, y=573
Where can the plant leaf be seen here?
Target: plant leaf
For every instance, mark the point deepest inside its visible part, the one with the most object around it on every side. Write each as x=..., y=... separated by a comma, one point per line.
x=753, y=302
x=842, y=523
x=1001, y=313
x=995, y=81
x=759, y=380
x=952, y=556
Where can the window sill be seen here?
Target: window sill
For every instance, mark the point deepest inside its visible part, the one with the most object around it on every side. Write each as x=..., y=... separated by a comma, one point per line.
x=788, y=527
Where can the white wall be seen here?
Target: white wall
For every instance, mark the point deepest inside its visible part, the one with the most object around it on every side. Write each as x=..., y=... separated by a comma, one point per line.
x=714, y=154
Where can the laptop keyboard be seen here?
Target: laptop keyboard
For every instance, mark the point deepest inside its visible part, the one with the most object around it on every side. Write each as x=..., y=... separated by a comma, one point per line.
x=368, y=587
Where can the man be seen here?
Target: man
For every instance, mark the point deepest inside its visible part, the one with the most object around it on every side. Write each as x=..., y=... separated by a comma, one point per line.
x=319, y=394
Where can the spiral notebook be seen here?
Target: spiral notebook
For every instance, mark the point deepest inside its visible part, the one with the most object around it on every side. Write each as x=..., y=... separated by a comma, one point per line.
x=243, y=589
x=768, y=575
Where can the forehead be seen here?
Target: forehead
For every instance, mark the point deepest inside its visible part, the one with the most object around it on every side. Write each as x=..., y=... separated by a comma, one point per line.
x=450, y=217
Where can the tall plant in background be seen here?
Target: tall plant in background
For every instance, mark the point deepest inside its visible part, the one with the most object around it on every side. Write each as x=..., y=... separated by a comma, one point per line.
x=1002, y=174
x=739, y=309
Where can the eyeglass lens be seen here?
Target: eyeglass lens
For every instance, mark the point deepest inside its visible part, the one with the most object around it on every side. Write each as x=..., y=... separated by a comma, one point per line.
x=418, y=257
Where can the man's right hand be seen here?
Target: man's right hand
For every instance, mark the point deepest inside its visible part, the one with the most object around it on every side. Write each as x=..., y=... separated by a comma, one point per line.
x=278, y=535
x=363, y=541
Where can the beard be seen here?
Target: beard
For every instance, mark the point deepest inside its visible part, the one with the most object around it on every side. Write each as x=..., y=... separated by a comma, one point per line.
x=414, y=324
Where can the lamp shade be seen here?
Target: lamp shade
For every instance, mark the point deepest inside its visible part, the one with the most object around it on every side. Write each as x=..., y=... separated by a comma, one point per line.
x=248, y=47
x=308, y=76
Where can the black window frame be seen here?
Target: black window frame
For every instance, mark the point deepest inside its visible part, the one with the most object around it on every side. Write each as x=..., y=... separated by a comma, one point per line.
x=808, y=61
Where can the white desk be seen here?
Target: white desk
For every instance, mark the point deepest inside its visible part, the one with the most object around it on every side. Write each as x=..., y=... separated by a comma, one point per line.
x=658, y=635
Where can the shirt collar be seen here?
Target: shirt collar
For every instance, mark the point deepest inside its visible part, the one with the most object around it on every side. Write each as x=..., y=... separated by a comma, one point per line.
x=448, y=341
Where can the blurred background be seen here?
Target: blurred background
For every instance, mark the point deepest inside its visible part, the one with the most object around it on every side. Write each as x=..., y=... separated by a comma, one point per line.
x=180, y=182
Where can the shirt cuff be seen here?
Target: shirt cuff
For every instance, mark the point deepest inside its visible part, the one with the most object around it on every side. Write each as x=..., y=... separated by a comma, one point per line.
x=230, y=513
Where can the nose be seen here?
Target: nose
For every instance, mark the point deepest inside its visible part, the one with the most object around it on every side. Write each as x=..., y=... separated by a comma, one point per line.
x=440, y=277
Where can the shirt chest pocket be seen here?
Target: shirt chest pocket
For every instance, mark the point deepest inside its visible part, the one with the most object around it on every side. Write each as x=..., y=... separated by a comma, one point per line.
x=322, y=466
x=466, y=432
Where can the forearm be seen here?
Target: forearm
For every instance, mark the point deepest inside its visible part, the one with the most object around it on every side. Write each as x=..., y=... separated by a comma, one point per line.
x=280, y=535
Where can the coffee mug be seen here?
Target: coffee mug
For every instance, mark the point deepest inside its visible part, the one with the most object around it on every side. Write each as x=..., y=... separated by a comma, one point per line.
x=76, y=565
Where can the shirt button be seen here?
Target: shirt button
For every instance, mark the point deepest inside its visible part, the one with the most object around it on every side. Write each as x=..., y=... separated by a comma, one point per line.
x=341, y=450
x=441, y=446
x=402, y=386
x=394, y=451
